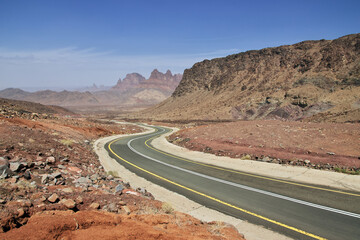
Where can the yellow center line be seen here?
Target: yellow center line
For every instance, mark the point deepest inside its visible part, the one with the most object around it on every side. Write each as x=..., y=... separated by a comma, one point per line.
x=215, y=199
x=247, y=174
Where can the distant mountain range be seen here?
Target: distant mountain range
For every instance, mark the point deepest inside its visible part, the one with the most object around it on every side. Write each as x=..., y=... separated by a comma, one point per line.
x=133, y=90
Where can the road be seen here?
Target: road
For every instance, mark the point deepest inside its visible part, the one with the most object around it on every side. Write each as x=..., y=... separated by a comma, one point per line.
x=301, y=211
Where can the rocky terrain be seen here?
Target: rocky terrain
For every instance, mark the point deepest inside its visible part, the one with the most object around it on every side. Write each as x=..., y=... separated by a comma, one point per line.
x=53, y=187
x=311, y=80
x=133, y=91
x=327, y=146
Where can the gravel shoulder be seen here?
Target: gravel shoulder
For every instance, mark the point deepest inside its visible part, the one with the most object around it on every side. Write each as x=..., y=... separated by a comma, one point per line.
x=179, y=202
x=294, y=173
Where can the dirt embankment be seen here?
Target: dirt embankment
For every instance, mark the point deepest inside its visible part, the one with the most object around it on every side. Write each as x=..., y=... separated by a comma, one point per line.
x=52, y=186
x=331, y=146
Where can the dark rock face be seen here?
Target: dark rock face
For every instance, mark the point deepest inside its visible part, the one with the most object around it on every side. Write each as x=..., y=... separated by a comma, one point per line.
x=286, y=81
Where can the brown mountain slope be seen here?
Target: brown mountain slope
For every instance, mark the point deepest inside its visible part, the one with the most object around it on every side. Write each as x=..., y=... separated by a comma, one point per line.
x=318, y=80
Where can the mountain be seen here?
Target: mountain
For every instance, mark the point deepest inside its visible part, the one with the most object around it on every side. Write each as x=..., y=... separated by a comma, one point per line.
x=313, y=80
x=134, y=90
x=165, y=83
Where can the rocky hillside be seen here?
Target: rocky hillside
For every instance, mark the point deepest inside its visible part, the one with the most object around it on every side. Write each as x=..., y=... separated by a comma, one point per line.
x=315, y=80
x=133, y=90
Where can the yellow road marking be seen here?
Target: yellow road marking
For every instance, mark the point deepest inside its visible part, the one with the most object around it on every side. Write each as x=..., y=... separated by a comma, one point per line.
x=247, y=174
x=215, y=199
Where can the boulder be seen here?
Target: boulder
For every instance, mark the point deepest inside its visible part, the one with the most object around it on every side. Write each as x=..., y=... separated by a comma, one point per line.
x=94, y=205
x=16, y=166
x=53, y=198
x=69, y=203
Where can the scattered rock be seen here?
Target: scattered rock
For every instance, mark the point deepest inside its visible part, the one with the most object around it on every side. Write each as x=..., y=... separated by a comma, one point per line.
x=53, y=198
x=95, y=205
x=16, y=166
x=111, y=207
x=126, y=209
x=83, y=181
x=21, y=212
x=119, y=188
x=50, y=160
x=67, y=190
x=56, y=174
x=69, y=203
x=306, y=161
x=330, y=153
x=27, y=175
x=4, y=168
x=79, y=200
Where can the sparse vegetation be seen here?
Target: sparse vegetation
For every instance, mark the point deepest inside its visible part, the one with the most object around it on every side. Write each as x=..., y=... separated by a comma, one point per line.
x=167, y=208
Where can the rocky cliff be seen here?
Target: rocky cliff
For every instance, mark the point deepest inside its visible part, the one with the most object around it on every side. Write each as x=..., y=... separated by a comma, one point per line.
x=316, y=80
x=165, y=83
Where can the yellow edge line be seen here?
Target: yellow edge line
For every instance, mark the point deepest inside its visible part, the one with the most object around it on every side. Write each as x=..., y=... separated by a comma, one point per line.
x=247, y=174
x=215, y=199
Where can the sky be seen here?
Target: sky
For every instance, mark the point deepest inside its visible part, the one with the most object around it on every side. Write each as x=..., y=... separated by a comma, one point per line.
x=72, y=43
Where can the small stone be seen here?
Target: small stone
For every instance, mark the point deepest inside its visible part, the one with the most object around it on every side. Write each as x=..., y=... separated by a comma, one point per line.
x=13, y=179
x=69, y=203
x=126, y=209
x=330, y=153
x=122, y=203
x=56, y=174
x=142, y=190
x=79, y=200
x=67, y=190
x=83, y=181
x=44, y=179
x=306, y=161
x=42, y=199
x=94, y=205
x=266, y=159
x=119, y=188
x=111, y=207
x=110, y=177
x=50, y=160
x=27, y=175
x=21, y=212
x=2, y=201
x=61, y=166
x=16, y=166
x=53, y=198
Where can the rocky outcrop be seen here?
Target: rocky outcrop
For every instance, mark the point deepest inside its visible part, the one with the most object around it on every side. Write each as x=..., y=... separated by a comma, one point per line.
x=165, y=83
x=317, y=79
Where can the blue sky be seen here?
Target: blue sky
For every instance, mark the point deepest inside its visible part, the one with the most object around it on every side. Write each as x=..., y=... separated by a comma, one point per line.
x=48, y=44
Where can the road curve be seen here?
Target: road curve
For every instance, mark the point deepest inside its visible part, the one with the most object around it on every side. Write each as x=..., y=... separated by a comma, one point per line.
x=301, y=211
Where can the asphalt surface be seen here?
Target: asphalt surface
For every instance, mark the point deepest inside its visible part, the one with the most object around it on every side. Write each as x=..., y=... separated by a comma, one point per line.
x=301, y=211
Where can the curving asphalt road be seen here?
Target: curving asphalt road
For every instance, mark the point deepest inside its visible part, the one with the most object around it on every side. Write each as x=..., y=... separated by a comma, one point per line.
x=301, y=211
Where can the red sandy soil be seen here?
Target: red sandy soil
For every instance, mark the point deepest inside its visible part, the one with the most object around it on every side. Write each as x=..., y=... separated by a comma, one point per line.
x=101, y=225
x=326, y=145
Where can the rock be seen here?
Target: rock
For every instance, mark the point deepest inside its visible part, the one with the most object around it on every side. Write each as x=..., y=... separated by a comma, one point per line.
x=27, y=175
x=4, y=168
x=2, y=201
x=110, y=177
x=67, y=190
x=119, y=188
x=111, y=207
x=61, y=166
x=266, y=159
x=95, y=177
x=69, y=203
x=306, y=161
x=50, y=160
x=94, y=205
x=65, y=160
x=21, y=212
x=14, y=179
x=16, y=166
x=53, y=198
x=44, y=179
x=24, y=202
x=142, y=190
x=126, y=209
x=87, y=142
x=83, y=181
x=330, y=153
x=246, y=157
x=122, y=203
x=42, y=199
x=79, y=200
x=74, y=169
x=56, y=174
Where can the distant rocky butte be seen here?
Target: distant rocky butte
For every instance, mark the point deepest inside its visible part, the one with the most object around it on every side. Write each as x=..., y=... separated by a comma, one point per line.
x=134, y=90
x=310, y=80
x=159, y=81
